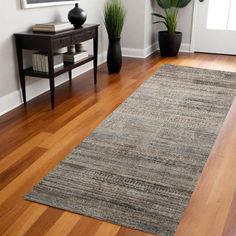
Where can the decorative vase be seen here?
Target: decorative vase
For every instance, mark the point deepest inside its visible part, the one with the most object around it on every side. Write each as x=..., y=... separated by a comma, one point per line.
x=77, y=16
x=114, y=56
x=169, y=43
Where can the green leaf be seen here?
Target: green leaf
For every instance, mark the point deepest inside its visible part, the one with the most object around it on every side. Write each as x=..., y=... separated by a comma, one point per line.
x=158, y=15
x=164, y=3
x=172, y=3
x=183, y=3
x=114, y=17
x=162, y=22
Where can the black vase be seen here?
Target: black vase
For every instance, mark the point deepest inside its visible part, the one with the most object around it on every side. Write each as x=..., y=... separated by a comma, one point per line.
x=77, y=16
x=114, y=56
x=169, y=43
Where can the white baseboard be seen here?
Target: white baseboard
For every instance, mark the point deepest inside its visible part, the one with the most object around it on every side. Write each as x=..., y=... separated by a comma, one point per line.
x=132, y=52
x=139, y=53
x=185, y=47
x=143, y=53
x=14, y=99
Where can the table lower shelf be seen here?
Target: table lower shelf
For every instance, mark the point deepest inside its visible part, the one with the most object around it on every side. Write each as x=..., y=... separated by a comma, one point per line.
x=67, y=67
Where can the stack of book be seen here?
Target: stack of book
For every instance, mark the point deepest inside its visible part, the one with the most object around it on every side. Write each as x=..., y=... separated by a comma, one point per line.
x=40, y=61
x=53, y=27
x=75, y=57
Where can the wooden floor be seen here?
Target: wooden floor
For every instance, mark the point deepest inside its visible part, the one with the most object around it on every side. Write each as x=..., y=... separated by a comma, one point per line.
x=33, y=139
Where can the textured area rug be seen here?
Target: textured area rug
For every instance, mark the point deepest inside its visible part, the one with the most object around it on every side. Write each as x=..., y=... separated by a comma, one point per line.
x=140, y=166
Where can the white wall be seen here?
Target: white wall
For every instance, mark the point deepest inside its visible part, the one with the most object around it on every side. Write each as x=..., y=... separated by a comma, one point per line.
x=133, y=32
x=185, y=22
x=151, y=30
x=150, y=35
x=139, y=34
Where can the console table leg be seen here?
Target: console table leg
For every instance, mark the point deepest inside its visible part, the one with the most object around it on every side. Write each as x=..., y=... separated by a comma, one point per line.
x=52, y=92
x=51, y=75
x=95, y=53
x=70, y=75
x=21, y=69
x=22, y=82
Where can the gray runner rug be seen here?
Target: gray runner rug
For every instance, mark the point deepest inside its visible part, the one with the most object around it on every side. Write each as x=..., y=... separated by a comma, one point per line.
x=140, y=166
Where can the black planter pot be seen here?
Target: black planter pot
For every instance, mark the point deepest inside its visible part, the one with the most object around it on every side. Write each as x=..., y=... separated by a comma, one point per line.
x=114, y=56
x=77, y=16
x=169, y=43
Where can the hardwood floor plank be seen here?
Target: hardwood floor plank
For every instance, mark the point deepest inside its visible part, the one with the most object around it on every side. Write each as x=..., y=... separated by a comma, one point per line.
x=107, y=229
x=24, y=222
x=25, y=134
x=44, y=222
x=11, y=210
x=32, y=175
x=85, y=226
x=63, y=225
x=17, y=168
x=73, y=113
x=131, y=232
x=18, y=153
x=230, y=227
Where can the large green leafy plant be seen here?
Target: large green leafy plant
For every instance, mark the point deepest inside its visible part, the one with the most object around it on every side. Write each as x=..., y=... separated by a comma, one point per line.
x=114, y=17
x=171, y=8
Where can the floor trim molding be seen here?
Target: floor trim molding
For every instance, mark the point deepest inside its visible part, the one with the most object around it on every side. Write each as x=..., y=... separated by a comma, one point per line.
x=140, y=53
x=143, y=53
x=185, y=47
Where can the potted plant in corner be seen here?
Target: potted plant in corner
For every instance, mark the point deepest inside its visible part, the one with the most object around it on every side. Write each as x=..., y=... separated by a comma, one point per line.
x=114, y=17
x=170, y=40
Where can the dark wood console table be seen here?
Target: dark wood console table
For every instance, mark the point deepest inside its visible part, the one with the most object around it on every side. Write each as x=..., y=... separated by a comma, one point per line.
x=48, y=42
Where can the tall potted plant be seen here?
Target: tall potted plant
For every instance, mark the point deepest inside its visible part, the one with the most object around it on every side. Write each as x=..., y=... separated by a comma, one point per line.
x=170, y=40
x=114, y=17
